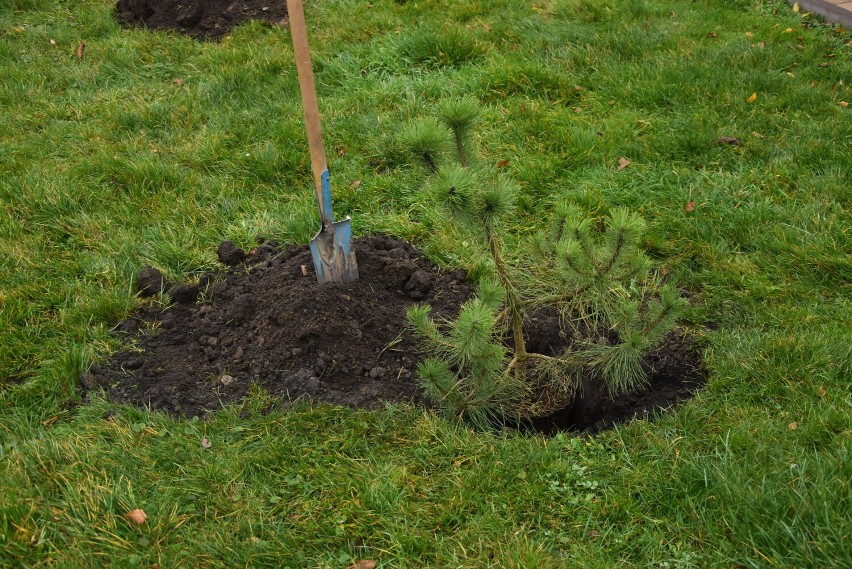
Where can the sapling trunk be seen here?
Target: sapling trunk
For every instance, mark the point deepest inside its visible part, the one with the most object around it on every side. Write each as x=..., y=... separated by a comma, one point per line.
x=513, y=304
x=462, y=155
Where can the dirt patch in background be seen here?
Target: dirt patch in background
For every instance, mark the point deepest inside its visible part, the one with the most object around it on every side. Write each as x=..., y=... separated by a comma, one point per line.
x=266, y=321
x=199, y=18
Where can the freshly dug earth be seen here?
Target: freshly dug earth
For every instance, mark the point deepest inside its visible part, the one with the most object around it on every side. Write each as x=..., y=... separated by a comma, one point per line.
x=200, y=18
x=266, y=321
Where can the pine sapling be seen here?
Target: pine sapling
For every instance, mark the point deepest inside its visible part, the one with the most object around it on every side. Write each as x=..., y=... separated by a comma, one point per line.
x=600, y=280
x=426, y=139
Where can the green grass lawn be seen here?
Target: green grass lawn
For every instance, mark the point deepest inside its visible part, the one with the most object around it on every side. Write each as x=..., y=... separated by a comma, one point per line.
x=153, y=148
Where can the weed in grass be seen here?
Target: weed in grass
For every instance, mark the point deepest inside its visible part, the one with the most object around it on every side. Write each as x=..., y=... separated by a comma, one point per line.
x=433, y=47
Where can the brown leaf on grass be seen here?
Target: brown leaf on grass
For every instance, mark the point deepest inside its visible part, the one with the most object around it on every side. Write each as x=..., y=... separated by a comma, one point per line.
x=843, y=104
x=178, y=81
x=821, y=391
x=206, y=443
x=623, y=163
x=752, y=98
x=712, y=35
x=749, y=35
x=577, y=110
x=502, y=163
x=664, y=270
x=730, y=140
x=593, y=534
x=690, y=206
x=81, y=47
x=363, y=564
x=793, y=426
x=796, y=7
x=756, y=134
x=356, y=183
x=761, y=44
x=137, y=516
x=52, y=42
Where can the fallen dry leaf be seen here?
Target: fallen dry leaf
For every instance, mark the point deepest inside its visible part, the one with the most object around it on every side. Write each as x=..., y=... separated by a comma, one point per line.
x=356, y=183
x=363, y=564
x=304, y=270
x=593, y=534
x=793, y=426
x=206, y=443
x=821, y=391
x=749, y=35
x=690, y=206
x=796, y=7
x=843, y=104
x=178, y=81
x=502, y=163
x=788, y=31
x=577, y=110
x=623, y=163
x=730, y=140
x=761, y=44
x=712, y=35
x=752, y=98
x=137, y=516
x=52, y=42
x=81, y=47
x=664, y=270
x=756, y=134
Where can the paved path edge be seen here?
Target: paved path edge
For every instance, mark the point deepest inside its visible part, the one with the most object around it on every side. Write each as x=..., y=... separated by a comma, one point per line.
x=831, y=12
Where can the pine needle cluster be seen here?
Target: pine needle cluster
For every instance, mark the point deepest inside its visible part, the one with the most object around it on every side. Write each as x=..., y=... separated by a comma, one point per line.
x=596, y=273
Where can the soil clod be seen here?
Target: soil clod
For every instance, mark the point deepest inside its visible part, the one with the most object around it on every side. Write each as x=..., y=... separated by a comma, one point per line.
x=229, y=254
x=150, y=281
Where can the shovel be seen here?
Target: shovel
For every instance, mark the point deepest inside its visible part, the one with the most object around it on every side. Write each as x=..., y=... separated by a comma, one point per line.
x=331, y=247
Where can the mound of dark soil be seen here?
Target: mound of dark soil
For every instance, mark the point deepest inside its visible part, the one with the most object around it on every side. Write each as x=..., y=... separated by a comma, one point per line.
x=266, y=321
x=200, y=18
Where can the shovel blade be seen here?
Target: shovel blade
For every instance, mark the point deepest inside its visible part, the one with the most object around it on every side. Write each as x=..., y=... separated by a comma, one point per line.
x=334, y=259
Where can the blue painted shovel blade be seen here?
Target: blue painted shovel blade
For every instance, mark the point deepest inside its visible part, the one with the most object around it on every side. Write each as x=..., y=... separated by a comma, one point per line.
x=334, y=259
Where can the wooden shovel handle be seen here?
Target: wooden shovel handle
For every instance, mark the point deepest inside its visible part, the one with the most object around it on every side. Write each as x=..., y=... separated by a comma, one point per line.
x=299, y=32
